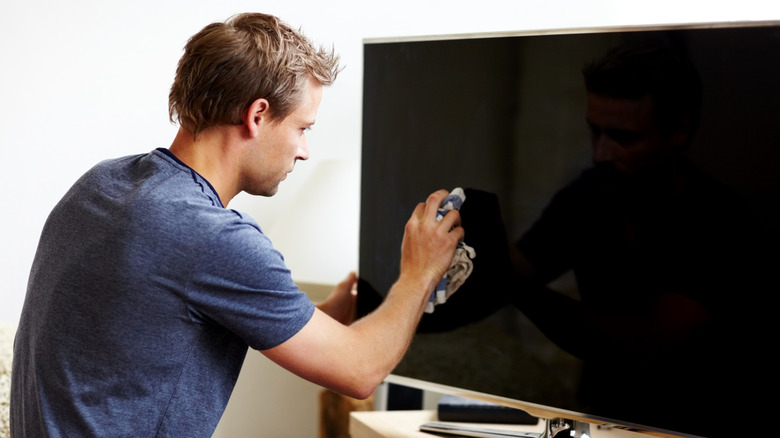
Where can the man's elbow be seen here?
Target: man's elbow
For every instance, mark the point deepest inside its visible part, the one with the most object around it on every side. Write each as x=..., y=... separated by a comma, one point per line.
x=361, y=393
x=361, y=383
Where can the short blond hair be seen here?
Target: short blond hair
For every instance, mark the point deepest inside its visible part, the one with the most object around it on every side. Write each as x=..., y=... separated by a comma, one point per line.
x=227, y=66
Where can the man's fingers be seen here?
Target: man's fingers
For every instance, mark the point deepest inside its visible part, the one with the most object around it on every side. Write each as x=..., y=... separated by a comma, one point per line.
x=452, y=223
x=434, y=202
x=430, y=207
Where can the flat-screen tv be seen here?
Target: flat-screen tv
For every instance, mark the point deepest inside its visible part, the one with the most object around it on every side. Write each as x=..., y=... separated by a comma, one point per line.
x=655, y=315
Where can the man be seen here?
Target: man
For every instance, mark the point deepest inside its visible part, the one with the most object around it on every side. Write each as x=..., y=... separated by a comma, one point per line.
x=145, y=291
x=658, y=249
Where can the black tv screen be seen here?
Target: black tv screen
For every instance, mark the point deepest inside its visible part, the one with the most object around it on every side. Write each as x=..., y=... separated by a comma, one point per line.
x=506, y=118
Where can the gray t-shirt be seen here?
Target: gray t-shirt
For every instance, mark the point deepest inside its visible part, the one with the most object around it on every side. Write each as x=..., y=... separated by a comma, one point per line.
x=142, y=298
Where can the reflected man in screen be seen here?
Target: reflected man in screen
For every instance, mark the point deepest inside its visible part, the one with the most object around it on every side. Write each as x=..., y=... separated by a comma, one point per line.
x=658, y=248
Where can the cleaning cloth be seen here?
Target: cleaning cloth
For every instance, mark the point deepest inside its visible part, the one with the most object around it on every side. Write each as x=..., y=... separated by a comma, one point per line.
x=461, y=265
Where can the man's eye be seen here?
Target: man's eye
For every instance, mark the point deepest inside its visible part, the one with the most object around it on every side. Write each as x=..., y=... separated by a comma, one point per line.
x=624, y=138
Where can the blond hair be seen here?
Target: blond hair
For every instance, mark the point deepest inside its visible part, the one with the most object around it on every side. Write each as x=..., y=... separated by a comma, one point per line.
x=227, y=66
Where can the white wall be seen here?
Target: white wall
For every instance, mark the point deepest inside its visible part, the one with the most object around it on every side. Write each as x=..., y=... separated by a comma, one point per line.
x=83, y=80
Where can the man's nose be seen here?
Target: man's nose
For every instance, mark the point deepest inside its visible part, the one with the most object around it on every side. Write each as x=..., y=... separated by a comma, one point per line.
x=603, y=149
x=303, y=151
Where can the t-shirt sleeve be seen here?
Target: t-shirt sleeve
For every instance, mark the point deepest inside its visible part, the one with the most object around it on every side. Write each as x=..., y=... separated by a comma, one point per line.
x=242, y=283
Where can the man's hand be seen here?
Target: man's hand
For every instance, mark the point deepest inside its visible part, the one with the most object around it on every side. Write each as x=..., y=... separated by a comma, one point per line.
x=341, y=304
x=429, y=245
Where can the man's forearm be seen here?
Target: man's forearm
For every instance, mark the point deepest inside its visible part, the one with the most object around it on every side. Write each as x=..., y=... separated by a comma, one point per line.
x=384, y=335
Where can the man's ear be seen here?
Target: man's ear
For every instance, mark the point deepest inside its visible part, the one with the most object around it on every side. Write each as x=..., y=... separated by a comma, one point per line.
x=258, y=112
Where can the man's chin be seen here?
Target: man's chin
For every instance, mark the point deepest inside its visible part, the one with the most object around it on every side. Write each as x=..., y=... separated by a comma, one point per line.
x=270, y=192
x=266, y=192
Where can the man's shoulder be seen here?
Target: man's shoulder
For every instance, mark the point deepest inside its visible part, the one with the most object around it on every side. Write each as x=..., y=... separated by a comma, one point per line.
x=155, y=194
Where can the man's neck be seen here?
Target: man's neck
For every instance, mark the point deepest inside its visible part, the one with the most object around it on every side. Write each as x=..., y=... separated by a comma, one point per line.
x=212, y=155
